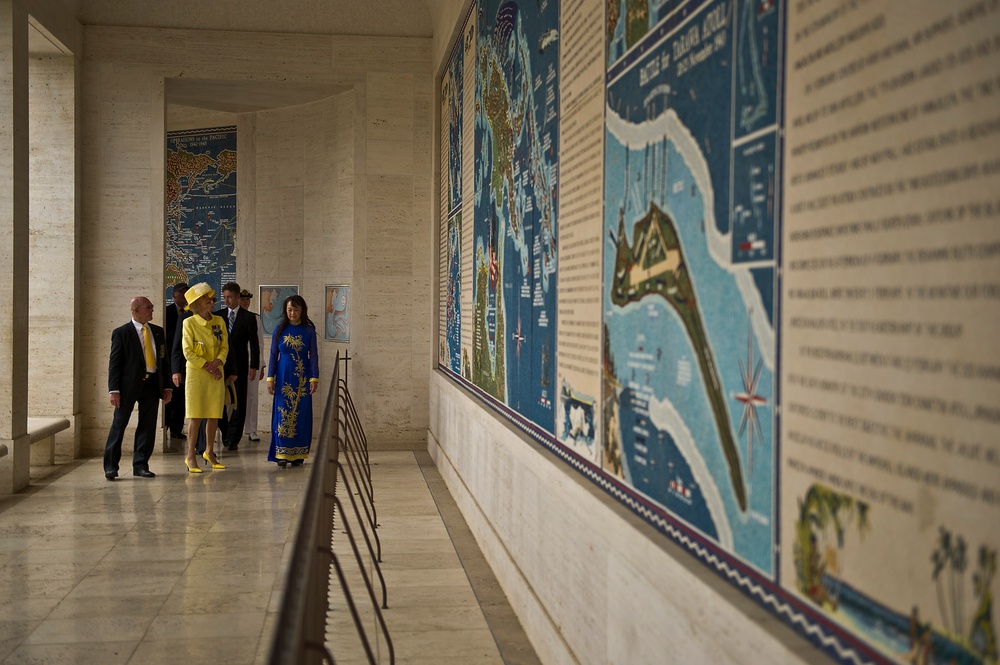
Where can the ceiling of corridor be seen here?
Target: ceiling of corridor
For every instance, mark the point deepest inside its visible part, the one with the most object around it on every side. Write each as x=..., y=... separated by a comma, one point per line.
x=395, y=18
x=386, y=18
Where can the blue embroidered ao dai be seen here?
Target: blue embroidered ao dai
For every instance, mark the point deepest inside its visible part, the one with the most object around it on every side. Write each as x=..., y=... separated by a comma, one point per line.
x=294, y=363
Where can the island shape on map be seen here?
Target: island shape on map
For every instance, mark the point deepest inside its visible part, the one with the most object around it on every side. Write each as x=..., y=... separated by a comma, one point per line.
x=654, y=265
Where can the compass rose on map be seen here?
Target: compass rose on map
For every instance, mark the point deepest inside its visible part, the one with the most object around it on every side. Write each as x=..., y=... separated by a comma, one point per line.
x=519, y=337
x=751, y=401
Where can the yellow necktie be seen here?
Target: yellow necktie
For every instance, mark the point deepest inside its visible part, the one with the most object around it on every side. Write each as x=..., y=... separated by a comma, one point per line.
x=147, y=340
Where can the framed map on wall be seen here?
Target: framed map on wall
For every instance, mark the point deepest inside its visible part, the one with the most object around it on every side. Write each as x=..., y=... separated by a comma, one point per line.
x=271, y=298
x=200, y=208
x=338, y=313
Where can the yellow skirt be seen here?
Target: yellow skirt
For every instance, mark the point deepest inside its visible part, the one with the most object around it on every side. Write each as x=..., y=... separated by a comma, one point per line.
x=204, y=395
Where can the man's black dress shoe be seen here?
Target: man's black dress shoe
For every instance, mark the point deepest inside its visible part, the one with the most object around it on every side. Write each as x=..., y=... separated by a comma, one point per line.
x=144, y=473
x=111, y=475
x=179, y=435
x=233, y=447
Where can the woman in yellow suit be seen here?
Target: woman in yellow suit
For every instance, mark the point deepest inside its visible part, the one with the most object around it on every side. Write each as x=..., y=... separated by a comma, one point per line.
x=206, y=345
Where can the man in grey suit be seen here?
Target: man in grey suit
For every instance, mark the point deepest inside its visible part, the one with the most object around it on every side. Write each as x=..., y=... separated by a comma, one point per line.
x=138, y=374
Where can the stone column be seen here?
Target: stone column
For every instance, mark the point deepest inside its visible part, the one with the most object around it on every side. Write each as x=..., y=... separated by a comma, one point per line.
x=14, y=467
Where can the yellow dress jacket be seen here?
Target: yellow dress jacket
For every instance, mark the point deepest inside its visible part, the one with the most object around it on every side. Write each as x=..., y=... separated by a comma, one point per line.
x=203, y=342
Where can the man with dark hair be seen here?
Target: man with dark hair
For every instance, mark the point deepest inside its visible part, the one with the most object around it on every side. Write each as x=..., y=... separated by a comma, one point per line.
x=173, y=412
x=242, y=362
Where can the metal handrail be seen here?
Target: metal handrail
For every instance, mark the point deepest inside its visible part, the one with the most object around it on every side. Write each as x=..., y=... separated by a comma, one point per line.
x=366, y=502
x=356, y=422
x=376, y=559
x=300, y=633
x=301, y=627
x=371, y=593
x=353, y=452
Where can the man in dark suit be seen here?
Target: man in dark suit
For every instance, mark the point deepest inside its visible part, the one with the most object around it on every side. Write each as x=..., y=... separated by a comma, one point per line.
x=137, y=375
x=242, y=362
x=173, y=412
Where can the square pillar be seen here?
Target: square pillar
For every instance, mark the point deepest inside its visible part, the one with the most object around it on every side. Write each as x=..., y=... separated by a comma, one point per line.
x=13, y=246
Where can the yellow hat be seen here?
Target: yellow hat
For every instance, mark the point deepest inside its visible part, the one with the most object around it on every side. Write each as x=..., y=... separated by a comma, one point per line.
x=197, y=291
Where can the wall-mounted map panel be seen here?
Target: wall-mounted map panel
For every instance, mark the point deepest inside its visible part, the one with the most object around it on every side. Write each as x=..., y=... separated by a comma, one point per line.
x=514, y=228
x=201, y=207
x=690, y=200
x=450, y=251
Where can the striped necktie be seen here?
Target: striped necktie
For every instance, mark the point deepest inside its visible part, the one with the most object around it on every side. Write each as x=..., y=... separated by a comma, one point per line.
x=232, y=320
x=147, y=344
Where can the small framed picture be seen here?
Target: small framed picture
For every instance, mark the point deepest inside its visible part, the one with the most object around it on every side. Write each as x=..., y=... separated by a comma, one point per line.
x=272, y=298
x=338, y=313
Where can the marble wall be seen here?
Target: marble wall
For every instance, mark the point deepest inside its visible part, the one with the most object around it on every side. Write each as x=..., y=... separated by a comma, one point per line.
x=180, y=117
x=53, y=222
x=399, y=253
x=290, y=163
x=121, y=239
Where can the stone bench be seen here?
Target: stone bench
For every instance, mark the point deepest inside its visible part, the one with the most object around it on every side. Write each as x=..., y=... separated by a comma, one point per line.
x=42, y=431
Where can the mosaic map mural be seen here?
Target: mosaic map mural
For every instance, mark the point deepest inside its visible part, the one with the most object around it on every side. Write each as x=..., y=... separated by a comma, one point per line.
x=201, y=207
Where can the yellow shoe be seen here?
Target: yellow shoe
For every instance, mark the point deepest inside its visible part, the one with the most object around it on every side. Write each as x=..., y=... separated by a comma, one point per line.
x=196, y=468
x=215, y=464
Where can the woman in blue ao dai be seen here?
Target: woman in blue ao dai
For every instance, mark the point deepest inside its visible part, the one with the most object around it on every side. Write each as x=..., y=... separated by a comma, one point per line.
x=292, y=377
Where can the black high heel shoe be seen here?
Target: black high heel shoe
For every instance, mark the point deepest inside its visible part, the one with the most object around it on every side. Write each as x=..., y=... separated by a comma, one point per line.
x=282, y=463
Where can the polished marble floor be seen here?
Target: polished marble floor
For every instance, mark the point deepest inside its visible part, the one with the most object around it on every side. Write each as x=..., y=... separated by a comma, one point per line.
x=187, y=568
